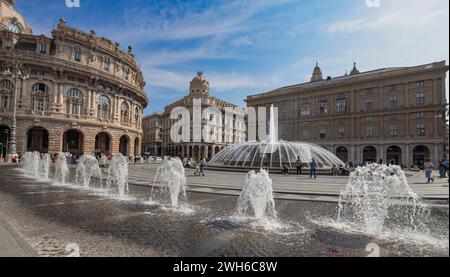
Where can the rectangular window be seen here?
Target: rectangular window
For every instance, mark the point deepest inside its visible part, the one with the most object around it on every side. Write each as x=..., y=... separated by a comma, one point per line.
x=77, y=55
x=420, y=115
x=370, y=119
x=420, y=129
x=393, y=131
x=369, y=104
x=341, y=133
x=420, y=98
x=341, y=104
x=305, y=110
x=369, y=131
x=323, y=134
x=42, y=48
x=8, y=44
x=106, y=66
x=126, y=74
x=420, y=84
x=305, y=133
x=4, y=102
x=393, y=101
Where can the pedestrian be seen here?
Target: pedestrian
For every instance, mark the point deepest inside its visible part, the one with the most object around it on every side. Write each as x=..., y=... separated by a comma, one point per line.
x=197, y=168
x=428, y=168
x=299, y=166
x=285, y=170
x=313, y=167
x=441, y=169
x=446, y=167
x=202, y=167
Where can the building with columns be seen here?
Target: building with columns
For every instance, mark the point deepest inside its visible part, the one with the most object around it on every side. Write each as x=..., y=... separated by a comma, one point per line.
x=391, y=114
x=198, y=89
x=151, y=141
x=83, y=93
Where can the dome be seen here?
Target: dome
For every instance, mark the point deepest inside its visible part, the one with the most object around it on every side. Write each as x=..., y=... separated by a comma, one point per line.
x=12, y=20
x=256, y=155
x=317, y=74
x=199, y=86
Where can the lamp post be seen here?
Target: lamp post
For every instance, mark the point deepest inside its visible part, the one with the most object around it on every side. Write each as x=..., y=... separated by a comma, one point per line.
x=17, y=71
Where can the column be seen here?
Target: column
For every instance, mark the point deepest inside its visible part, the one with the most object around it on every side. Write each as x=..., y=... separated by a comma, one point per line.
x=407, y=161
x=406, y=94
x=89, y=100
x=435, y=102
x=436, y=157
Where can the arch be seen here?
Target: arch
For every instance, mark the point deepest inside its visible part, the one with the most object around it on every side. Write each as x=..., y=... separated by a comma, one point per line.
x=4, y=140
x=420, y=154
x=38, y=139
x=136, y=147
x=124, y=145
x=40, y=94
x=124, y=113
x=103, y=143
x=73, y=142
x=369, y=154
x=75, y=98
x=394, y=153
x=104, y=107
x=217, y=150
x=342, y=153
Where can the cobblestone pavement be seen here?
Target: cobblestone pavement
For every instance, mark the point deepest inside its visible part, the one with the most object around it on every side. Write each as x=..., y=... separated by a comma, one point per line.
x=50, y=217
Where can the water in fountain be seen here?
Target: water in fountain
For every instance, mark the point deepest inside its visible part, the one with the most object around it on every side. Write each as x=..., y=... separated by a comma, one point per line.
x=61, y=169
x=257, y=196
x=102, y=161
x=44, y=166
x=118, y=175
x=273, y=153
x=376, y=193
x=171, y=175
x=32, y=164
x=88, y=168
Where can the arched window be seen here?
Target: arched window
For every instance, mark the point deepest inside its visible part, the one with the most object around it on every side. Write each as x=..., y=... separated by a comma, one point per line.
x=6, y=94
x=75, y=101
x=137, y=117
x=104, y=106
x=40, y=97
x=125, y=113
x=15, y=27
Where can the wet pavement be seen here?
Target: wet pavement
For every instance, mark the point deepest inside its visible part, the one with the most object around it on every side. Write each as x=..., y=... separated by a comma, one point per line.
x=50, y=217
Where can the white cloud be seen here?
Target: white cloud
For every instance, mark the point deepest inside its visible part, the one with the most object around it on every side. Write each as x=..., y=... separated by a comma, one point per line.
x=393, y=14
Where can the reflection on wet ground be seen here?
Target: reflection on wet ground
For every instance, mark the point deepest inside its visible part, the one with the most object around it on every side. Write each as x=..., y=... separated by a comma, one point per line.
x=50, y=217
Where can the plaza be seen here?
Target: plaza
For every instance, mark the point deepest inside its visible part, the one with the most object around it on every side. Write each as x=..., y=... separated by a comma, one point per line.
x=48, y=217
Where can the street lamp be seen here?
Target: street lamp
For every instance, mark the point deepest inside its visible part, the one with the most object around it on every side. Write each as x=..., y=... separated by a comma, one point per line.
x=17, y=71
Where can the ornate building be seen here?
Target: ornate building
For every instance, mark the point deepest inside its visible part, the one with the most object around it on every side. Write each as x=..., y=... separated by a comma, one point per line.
x=81, y=93
x=151, y=141
x=199, y=89
x=391, y=114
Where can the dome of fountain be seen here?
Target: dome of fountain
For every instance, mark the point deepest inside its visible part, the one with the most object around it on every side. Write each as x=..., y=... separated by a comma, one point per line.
x=255, y=155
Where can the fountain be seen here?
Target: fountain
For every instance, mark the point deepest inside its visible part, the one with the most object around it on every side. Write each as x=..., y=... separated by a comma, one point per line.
x=88, y=168
x=44, y=166
x=171, y=175
x=102, y=161
x=118, y=175
x=61, y=169
x=272, y=153
x=257, y=196
x=371, y=192
x=32, y=164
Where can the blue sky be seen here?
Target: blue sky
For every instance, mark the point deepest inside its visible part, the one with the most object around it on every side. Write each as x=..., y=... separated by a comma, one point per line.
x=251, y=46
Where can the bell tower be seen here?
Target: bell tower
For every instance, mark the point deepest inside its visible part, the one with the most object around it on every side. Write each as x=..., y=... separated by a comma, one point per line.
x=199, y=86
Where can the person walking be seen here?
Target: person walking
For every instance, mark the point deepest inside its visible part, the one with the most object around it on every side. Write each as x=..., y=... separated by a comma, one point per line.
x=285, y=170
x=299, y=166
x=428, y=168
x=202, y=167
x=313, y=166
x=441, y=169
x=446, y=167
x=197, y=168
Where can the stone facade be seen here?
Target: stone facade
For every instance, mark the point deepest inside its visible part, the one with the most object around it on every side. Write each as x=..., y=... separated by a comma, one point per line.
x=83, y=95
x=151, y=141
x=199, y=89
x=391, y=114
